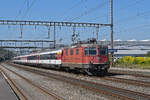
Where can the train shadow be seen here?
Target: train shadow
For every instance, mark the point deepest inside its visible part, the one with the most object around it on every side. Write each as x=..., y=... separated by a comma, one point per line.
x=108, y=74
x=76, y=72
x=113, y=74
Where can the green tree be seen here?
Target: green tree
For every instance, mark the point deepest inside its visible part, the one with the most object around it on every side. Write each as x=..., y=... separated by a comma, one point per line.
x=148, y=54
x=5, y=54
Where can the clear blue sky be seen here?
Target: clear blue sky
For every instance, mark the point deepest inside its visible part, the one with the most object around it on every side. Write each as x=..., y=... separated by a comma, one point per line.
x=131, y=18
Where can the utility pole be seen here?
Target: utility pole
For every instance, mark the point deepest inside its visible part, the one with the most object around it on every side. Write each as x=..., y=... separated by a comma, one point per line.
x=21, y=29
x=112, y=39
x=48, y=32
x=54, y=35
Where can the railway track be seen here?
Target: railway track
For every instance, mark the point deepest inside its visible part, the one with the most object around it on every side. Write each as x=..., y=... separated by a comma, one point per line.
x=128, y=73
x=42, y=89
x=128, y=81
x=20, y=95
x=95, y=87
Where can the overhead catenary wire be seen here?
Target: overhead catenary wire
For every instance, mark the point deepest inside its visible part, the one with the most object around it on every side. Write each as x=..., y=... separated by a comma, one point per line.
x=72, y=7
x=130, y=18
x=130, y=5
x=22, y=7
x=138, y=15
x=135, y=28
x=142, y=14
x=102, y=15
x=120, y=9
x=88, y=11
x=32, y=3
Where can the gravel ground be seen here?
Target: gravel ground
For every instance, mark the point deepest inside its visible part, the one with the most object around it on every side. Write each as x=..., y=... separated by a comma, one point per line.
x=30, y=91
x=102, y=81
x=66, y=90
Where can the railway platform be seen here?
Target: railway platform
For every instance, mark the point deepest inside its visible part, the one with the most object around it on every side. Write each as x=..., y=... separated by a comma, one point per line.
x=6, y=93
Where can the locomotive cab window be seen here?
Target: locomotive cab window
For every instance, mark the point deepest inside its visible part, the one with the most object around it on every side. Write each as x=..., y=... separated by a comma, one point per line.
x=66, y=51
x=71, y=52
x=86, y=50
x=103, y=51
x=92, y=51
x=77, y=51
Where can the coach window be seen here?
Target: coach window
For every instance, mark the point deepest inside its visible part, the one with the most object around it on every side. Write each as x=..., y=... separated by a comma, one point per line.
x=45, y=56
x=53, y=56
x=71, y=52
x=33, y=57
x=77, y=51
x=30, y=57
x=66, y=51
x=17, y=58
x=92, y=51
x=42, y=57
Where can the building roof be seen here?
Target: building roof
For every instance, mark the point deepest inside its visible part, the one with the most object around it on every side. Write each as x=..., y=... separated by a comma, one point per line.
x=132, y=52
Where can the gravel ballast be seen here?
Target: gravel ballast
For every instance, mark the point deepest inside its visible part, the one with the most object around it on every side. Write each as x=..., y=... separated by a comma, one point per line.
x=102, y=81
x=63, y=89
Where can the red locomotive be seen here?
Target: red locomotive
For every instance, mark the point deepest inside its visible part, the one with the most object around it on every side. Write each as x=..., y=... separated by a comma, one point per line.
x=89, y=58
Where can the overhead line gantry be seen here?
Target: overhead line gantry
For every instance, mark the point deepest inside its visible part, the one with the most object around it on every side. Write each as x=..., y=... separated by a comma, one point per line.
x=51, y=23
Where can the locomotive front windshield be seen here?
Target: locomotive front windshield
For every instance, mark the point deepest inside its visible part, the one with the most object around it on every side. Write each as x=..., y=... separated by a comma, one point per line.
x=90, y=51
x=103, y=51
x=94, y=51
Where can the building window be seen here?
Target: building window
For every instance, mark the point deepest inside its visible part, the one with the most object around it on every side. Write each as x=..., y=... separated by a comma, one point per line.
x=77, y=51
x=71, y=52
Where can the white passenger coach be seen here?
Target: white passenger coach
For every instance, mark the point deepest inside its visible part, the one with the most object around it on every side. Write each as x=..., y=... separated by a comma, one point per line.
x=45, y=58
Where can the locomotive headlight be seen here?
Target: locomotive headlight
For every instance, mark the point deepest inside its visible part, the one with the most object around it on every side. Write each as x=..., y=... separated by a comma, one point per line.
x=105, y=62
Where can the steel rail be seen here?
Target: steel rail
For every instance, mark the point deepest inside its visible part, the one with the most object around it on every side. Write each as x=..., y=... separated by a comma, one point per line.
x=128, y=81
x=37, y=86
x=95, y=87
